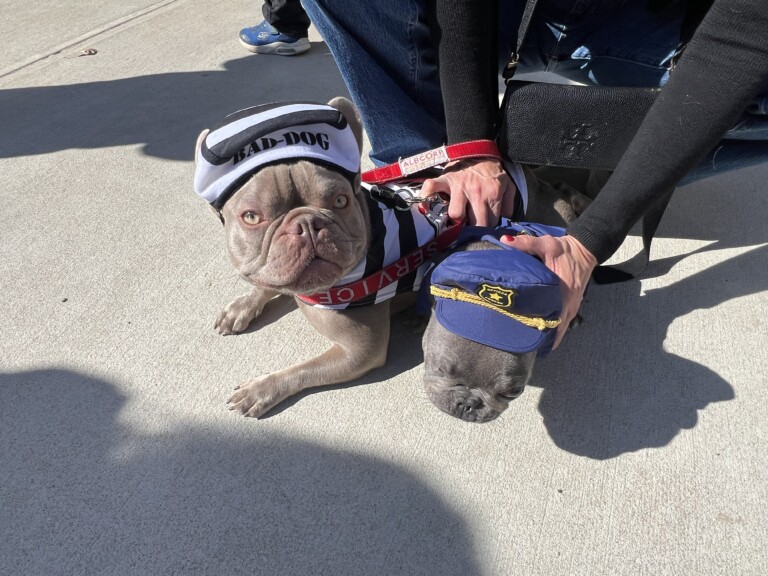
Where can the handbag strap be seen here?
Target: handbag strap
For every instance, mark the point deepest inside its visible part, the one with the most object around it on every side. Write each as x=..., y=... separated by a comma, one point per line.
x=522, y=31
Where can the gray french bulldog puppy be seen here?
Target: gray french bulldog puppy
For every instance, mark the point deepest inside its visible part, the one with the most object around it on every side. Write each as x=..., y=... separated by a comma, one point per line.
x=296, y=225
x=473, y=381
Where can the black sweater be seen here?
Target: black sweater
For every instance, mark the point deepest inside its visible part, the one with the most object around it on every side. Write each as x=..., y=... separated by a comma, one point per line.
x=723, y=67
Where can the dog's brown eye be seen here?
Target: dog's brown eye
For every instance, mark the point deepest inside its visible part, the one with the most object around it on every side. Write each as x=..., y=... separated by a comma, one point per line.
x=250, y=217
x=340, y=202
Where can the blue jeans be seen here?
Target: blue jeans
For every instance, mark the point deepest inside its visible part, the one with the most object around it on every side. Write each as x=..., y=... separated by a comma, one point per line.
x=386, y=57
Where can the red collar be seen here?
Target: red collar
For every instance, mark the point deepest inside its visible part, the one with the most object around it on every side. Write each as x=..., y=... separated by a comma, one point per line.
x=392, y=273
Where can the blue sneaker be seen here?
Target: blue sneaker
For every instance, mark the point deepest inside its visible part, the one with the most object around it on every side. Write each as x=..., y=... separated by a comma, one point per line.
x=265, y=39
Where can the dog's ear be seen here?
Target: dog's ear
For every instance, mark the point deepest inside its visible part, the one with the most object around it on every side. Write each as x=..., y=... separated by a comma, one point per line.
x=199, y=143
x=350, y=112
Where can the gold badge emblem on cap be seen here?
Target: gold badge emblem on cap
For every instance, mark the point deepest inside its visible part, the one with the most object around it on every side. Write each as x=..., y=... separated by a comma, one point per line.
x=497, y=296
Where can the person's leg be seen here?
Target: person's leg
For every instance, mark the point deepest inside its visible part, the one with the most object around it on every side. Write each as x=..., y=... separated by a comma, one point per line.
x=287, y=16
x=605, y=42
x=283, y=30
x=384, y=52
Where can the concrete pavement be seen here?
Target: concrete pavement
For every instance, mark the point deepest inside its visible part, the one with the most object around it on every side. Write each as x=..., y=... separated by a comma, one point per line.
x=638, y=449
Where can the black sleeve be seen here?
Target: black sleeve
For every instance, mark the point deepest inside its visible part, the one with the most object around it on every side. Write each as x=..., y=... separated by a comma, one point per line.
x=723, y=67
x=465, y=32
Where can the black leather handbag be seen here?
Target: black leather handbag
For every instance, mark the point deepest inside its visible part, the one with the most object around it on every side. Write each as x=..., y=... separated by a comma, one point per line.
x=564, y=125
x=571, y=126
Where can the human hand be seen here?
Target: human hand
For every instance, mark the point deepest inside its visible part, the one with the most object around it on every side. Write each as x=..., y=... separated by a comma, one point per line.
x=480, y=190
x=567, y=258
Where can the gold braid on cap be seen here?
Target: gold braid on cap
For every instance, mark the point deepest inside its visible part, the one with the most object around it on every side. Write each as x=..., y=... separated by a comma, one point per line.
x=462, y=296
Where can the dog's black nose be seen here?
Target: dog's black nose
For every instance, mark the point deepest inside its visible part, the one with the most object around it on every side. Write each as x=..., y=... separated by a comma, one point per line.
x=467, y=408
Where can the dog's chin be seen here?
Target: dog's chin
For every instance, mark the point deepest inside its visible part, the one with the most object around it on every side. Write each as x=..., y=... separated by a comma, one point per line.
x=318, y=274
x=466, y=403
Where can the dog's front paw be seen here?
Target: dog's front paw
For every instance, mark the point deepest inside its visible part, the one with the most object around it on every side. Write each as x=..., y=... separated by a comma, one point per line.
x=243, y=310
x=256, y=397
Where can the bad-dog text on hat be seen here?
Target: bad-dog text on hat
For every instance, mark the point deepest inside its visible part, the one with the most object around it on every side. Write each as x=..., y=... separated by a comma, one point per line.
x=256, y=137
x=320, y=139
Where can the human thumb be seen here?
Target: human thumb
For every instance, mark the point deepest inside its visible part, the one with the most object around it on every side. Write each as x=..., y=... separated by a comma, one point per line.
x=528, y=244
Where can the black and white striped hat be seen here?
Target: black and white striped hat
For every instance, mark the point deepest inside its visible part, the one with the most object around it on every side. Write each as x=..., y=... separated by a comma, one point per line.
x=255, y=137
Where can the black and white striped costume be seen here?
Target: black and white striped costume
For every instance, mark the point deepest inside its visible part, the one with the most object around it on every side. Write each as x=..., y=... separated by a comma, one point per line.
x=394, y=233
x=397, y=230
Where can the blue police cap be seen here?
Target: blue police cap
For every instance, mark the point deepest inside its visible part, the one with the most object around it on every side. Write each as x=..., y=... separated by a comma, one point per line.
x=505, y=298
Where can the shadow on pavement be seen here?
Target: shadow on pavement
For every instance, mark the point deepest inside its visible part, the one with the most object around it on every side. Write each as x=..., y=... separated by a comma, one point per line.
x=613, y=387
x=163, y=112
x=82, y=493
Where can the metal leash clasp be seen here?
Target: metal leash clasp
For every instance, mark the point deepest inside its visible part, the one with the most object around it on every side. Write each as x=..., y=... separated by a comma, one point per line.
x=407, y=194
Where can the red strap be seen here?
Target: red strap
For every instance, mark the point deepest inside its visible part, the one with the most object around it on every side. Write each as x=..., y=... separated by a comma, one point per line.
x=419, y=162
x=378, y=280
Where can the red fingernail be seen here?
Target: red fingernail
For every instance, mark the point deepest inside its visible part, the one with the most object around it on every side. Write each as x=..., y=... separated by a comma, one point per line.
x=508, y=238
